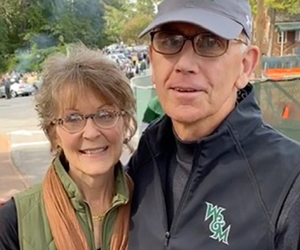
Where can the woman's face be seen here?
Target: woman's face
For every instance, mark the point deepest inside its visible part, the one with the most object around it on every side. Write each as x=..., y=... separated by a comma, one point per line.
x=91, y=151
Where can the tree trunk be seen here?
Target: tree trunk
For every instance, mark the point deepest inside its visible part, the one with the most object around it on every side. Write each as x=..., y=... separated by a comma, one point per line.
x=260, y=28
x=272, y=15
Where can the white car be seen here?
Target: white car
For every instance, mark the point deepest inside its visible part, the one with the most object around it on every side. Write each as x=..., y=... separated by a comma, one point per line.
x=118, y=58
x=21, y=89
x=2, y=91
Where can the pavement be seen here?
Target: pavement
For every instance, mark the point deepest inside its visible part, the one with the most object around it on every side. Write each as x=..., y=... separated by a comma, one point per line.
x=10, y=177
x=21, y=169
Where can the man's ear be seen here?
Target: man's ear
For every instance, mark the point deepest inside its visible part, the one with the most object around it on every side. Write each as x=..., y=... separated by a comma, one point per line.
x=249, y=63
x=152, y=64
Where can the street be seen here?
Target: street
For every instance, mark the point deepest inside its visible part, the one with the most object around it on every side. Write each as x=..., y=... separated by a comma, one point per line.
x=29, y=148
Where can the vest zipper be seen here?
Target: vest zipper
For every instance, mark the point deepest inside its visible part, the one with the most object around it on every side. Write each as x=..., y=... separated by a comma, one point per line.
x=104, y=224
x=91, y=225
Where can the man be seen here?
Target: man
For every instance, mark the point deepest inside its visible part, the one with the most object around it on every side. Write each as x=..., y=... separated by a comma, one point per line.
x=7, y=87
x=211, y=174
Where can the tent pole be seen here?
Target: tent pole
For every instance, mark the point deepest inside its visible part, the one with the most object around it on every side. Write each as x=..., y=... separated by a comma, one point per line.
x=282, y=40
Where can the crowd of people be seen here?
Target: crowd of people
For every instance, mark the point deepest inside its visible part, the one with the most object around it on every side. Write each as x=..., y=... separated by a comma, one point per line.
x=8, y=79
x=209, y=174
x=134, y=61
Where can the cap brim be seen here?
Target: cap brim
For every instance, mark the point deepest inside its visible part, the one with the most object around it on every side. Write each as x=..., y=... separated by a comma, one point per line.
x=215, y=23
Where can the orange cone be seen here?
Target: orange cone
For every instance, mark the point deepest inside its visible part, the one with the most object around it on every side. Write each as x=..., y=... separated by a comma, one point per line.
x=286, y=113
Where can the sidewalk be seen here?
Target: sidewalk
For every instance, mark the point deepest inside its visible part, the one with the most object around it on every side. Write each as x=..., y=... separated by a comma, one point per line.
x=10, y=176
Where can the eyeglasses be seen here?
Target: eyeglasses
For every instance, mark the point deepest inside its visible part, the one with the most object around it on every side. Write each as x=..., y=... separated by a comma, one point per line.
x=204, y=44
x=103, y=119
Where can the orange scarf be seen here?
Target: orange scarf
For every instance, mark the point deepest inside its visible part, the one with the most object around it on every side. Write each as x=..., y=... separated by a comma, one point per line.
x=64, y=225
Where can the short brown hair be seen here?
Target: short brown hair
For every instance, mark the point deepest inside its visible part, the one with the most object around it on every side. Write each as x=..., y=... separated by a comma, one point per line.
x=67, y=77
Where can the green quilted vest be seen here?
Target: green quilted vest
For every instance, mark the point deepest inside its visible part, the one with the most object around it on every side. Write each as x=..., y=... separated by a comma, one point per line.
x=33, y=225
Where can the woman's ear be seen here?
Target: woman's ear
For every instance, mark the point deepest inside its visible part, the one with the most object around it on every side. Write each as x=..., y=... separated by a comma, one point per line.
x=54, y=138
x=249, y=63
x=126, y=129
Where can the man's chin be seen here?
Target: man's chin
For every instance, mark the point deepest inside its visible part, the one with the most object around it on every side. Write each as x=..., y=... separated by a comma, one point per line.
x=186, y=116
x=185, y=119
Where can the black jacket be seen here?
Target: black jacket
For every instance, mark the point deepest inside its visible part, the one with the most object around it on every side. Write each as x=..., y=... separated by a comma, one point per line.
x=241, y=177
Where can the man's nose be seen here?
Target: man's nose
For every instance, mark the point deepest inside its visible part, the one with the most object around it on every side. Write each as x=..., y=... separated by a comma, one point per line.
x=187, y=60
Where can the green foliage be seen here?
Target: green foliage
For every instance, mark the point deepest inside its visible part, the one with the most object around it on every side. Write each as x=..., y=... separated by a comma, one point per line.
x=46, y=23
x=253, y=7
x=126, y=19
x=115, y=21
x=288, y=6
x=28, y=61
x=133, y=27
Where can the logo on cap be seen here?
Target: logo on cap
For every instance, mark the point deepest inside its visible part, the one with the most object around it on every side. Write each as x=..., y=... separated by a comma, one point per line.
x=249, y=22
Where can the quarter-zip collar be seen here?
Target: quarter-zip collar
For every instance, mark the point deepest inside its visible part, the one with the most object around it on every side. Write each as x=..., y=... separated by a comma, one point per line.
x=239, y=123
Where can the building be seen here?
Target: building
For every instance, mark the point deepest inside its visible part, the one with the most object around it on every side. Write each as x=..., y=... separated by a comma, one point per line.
x=286, y=35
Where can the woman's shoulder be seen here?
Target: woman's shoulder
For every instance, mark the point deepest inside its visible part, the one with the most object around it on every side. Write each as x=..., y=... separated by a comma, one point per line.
x=34, y=191
x=9, y=239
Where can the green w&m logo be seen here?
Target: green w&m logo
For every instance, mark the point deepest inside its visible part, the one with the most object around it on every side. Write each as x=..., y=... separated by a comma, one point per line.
x=217, y=225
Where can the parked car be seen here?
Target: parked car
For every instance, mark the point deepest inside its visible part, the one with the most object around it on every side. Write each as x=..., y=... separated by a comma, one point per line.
x=22, y=89
x=2, y=91
x=119, y=58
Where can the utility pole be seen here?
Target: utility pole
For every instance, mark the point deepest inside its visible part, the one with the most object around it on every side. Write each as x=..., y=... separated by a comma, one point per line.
x=260, y=29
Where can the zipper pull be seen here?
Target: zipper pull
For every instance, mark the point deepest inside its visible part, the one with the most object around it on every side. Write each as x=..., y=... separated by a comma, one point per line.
x=167, y=238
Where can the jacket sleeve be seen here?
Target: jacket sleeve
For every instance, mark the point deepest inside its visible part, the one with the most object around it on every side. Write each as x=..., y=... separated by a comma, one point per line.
x=137, y=159
x=9, y=239
x=132, y=166
x=288, y=226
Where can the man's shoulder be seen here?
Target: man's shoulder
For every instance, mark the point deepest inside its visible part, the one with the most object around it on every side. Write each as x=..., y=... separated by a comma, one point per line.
x=8, y=217
x=288, y=225
x=274, y=150
x=269, y=140
x=9, y=226
x=7, y=210
x=274, y=160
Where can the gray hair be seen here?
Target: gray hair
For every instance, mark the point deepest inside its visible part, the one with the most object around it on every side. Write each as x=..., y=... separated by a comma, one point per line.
x=244, y=47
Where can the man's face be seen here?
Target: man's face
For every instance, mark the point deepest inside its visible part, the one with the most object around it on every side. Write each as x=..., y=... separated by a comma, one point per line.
x=192, y=88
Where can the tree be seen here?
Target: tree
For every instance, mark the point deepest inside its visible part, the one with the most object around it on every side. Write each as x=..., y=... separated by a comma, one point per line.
x=47, y=23
x=145, y=7
x=115, y=20
x=134, y=27
x=260, y=26
x=125, y=20
x=288, y=6
x=4, y=43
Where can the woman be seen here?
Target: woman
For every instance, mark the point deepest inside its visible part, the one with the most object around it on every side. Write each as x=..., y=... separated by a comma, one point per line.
x=86, y=108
